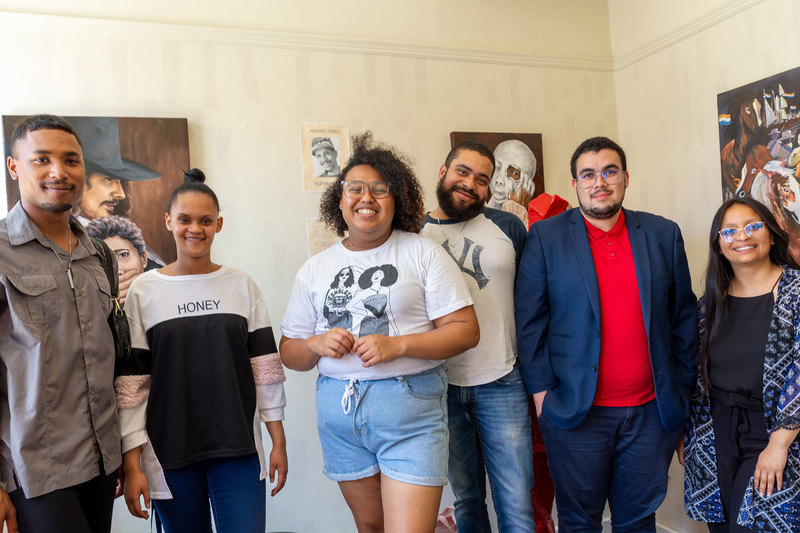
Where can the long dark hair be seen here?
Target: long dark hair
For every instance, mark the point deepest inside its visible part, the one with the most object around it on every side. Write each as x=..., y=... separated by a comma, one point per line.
x=719, y=272
x=348, y=282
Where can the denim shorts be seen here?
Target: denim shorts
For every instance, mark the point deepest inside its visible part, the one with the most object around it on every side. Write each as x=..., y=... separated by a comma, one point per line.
x=395, y=426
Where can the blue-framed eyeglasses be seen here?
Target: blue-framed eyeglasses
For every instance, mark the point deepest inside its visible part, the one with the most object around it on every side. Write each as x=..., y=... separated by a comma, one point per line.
x=751, y=229
x=611, y=175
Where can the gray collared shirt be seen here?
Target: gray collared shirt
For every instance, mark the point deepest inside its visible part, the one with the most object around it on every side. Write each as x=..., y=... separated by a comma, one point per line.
x=58, y=417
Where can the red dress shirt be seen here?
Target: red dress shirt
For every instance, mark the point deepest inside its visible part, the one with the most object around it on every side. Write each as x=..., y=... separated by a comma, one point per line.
x=625, y=376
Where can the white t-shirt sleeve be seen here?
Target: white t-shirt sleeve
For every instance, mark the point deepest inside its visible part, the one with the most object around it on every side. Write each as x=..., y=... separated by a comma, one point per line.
x=445, y=289
x=300, y=319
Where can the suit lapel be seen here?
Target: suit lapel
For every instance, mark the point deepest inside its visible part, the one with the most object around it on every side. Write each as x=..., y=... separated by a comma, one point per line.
x=641, y=260
x=580, y=241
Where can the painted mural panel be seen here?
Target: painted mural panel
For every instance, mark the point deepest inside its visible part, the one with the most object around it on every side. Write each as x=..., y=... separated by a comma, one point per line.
x=759, y=137
x=519, y=171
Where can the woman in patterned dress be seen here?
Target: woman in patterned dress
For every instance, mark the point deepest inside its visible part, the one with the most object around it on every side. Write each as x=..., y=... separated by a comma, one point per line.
x=742, y=452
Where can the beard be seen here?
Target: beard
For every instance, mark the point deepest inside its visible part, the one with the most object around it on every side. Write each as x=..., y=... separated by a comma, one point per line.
x=52, y=207
x=601, y=212
x=454, y=209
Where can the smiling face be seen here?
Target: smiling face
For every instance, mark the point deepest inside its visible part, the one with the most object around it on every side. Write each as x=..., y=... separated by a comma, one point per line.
x=463, y=188
x=601, y=201
x=101, y=196
x=48, y=164
x=744, y=250
x=326, y=158
x=368, y=219
x=193, y=221
x=128, y=257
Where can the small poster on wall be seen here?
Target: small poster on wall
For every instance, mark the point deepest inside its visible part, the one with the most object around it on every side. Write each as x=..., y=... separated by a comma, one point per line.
x=320, y=237
x=518, y=174
x=759, y=139
x=132, y=167
x=326, y=149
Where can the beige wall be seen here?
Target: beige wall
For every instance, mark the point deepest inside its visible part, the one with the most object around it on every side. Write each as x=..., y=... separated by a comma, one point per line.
x=513, y=67
x=247, y=73
x=666, y=101
x=526, y=26
x=669, y=74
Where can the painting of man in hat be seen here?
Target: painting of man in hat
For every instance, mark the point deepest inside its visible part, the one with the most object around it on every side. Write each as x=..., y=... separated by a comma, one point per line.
x=325, y=150
x=326, y=158
x=132, y=166
x=106, y=169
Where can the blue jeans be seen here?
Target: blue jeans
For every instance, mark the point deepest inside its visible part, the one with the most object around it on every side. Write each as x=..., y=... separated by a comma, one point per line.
x=490, y=432
x=619, y=454
x=238, y=497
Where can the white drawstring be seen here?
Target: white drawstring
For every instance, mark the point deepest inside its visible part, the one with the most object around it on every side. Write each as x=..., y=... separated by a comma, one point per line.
x=349, y=392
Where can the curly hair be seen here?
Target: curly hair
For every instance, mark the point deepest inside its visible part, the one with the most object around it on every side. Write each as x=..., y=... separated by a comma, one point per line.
x=389, y=276
x=116, y=226
x=395, y=169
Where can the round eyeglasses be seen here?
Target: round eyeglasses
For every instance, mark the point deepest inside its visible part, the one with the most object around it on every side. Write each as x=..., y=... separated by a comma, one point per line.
x=611, y=176
x=356, y=188
x=751, y=229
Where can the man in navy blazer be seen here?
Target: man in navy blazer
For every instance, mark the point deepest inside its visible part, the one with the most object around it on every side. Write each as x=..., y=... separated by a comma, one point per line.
x=605, y=326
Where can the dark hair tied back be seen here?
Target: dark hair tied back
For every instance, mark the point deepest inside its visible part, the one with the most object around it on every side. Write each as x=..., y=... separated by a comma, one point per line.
x=194, y=175
x=193, y=181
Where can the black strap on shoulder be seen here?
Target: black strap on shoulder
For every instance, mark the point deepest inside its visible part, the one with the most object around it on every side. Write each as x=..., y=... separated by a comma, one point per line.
x=117, y=321
x=105, y=260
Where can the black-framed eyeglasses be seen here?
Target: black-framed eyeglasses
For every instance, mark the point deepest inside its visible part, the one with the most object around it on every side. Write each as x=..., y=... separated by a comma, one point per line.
x=356, y=188
x=751, y=229
x=611, y=175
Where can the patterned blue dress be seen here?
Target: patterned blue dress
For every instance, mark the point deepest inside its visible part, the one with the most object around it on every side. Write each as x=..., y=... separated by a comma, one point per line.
x=779, y=513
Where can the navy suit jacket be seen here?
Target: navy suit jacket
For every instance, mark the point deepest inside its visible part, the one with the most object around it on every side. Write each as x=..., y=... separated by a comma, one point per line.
x=558, y=315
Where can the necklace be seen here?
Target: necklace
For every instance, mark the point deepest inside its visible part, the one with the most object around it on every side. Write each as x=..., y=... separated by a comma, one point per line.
x=68, y=266
x=446, y=243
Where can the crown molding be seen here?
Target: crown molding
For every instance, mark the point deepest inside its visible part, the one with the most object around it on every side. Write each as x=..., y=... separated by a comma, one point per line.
x=29, y=22
x=294, y=41
x=671, y=39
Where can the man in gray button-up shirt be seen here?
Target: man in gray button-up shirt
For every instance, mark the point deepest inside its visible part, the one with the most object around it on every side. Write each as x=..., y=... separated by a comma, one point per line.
x=59, y=433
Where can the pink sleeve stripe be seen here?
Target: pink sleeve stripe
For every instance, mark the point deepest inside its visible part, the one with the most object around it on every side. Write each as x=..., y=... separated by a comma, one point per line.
x=267, y=369
x=131, y=391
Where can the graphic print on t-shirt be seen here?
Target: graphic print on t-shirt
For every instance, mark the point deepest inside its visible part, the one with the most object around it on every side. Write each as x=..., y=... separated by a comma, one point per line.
x=343, y=287
x=476, y=273
x=360, y=301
